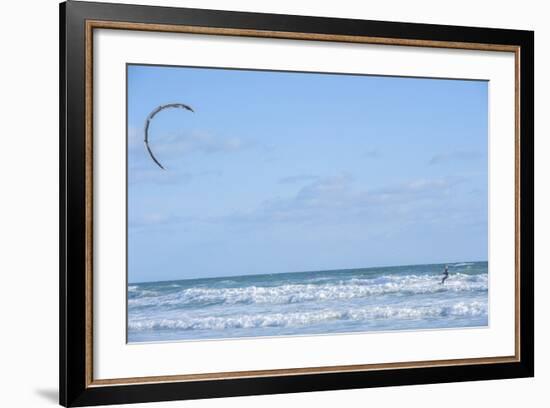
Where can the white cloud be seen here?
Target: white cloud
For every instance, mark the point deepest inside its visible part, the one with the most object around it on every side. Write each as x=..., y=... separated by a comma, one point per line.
x=180, y=144
x=461, y=155
x=371, y=154
x=151, y=174
x=152, y=219
x=326, y=189
x=336, y=199
x=299, y=178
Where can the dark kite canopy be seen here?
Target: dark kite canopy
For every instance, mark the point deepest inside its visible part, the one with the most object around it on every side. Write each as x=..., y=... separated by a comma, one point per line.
x=150, y=118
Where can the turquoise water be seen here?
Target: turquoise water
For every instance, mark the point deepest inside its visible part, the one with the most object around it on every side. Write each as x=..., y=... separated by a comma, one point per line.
x=337, y=301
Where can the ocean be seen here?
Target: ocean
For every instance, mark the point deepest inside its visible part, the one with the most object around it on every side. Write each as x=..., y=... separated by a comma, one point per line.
x=306, y=303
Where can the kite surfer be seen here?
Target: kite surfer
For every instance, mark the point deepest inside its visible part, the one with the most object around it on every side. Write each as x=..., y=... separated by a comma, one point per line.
x=445, y=275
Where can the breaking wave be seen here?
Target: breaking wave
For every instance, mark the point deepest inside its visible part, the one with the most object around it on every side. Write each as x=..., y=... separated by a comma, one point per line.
x=309, y=292
x=300, y=319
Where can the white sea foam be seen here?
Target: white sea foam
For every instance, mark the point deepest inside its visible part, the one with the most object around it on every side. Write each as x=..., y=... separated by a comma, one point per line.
x=300, y=319
x=306, y=292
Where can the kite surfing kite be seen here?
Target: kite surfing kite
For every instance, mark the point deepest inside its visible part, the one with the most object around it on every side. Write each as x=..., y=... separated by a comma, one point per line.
x=150, y=118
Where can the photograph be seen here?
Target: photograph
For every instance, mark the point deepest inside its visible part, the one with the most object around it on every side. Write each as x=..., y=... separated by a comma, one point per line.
x=268, y=203
x=257, y=203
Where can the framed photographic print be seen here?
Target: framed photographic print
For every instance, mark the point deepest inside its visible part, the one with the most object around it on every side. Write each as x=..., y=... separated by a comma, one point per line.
x=256, y=203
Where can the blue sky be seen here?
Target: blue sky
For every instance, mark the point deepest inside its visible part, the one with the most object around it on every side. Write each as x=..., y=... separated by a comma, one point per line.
x=286, y=172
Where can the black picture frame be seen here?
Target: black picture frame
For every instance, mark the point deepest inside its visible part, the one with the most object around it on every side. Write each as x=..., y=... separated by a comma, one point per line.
x=75, y=387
